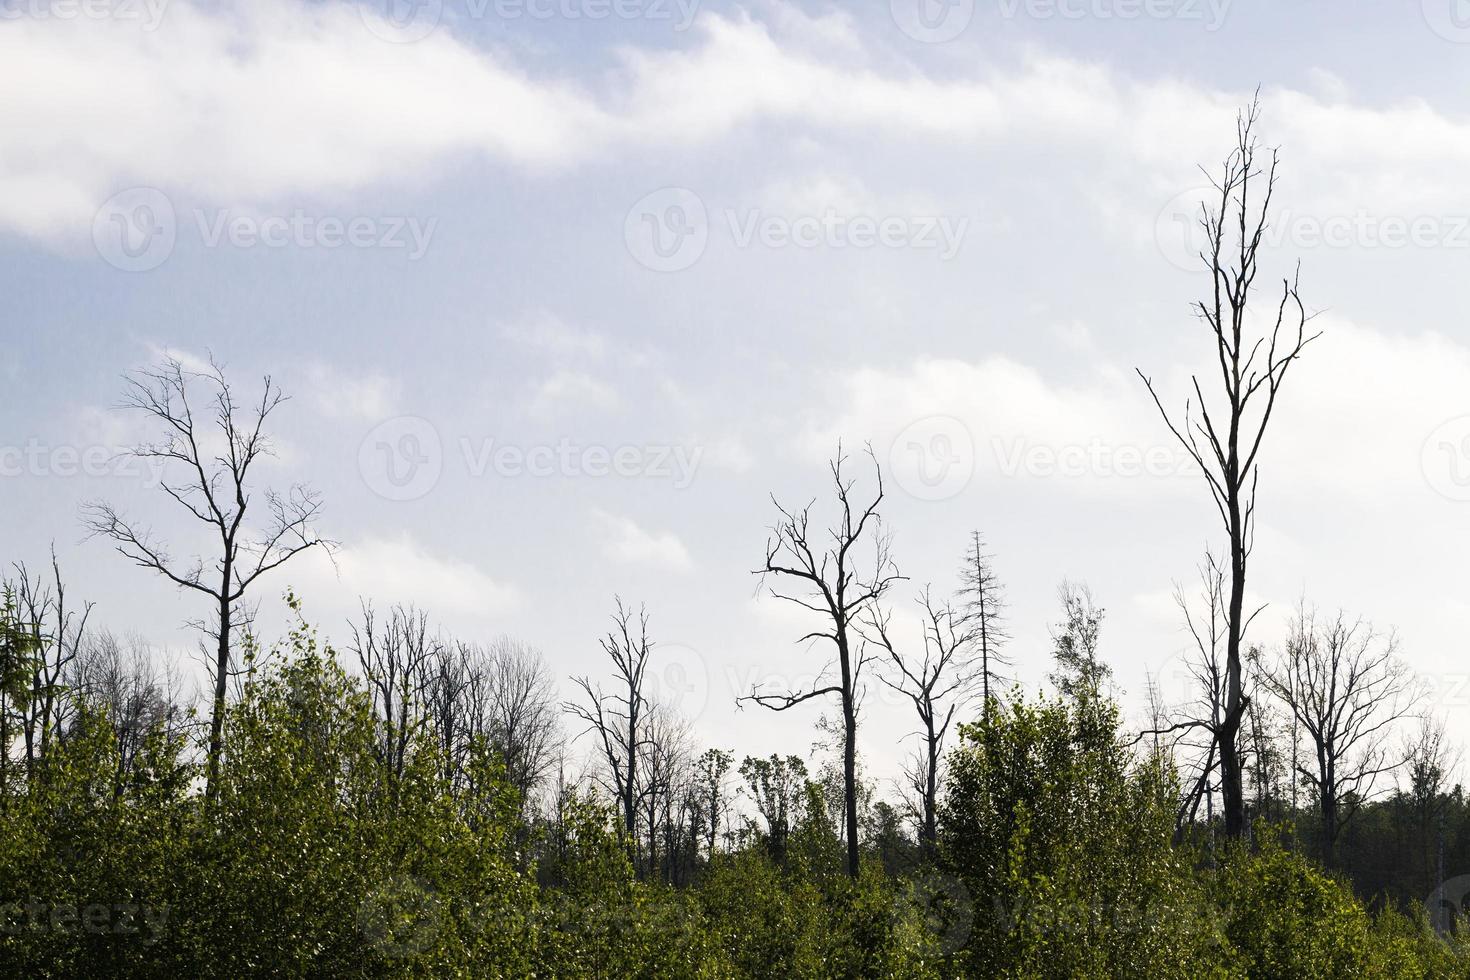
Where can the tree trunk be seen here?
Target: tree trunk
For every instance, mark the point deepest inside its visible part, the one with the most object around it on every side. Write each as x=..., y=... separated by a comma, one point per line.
x=849, y=758
x=221, y=679
x=931, y=795
x=1232, y=789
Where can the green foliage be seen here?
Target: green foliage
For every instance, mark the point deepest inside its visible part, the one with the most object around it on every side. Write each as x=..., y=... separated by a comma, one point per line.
x=317, y=858
x=1065, y=844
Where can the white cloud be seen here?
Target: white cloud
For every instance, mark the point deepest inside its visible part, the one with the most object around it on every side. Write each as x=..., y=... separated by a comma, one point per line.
x=1332, y=433
x=340, y=395
x=399, y=569
x=215, y=93
x=546, y=332
x=568, y=391
x=628, y=543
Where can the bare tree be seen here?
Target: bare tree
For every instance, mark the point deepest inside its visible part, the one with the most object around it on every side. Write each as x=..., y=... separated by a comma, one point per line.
x=57, y=632
x=1079, y=673
x=828, y=581
x=1345, y=685
x=983, y=601
x=620, y=720
x=399, y=659
x=123, y=680
x=663, y=786
x=214, y=457
x=1190, y=729
x=1226, y=437
x=937, y=685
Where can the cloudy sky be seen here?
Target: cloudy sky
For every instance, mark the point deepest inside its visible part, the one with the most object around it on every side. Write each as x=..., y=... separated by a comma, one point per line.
x=564, y=290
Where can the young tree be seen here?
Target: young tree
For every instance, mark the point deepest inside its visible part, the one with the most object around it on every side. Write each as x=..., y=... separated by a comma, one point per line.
x=213, y=456
x=1226, y=437
x=620, y=720
x=777, y=788
x=712, y=802
x=937, y=685
x=828, y=581
x=982, y=599
x=1079, y=674
x=1344, y=684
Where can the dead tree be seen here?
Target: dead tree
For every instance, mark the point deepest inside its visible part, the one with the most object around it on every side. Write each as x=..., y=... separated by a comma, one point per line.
x=828, y=582
x=620, y=720
x=57, y=632
x=213, y=457
x=983, y=601
x=399, y=659
x=1346, y=687
x=1226, y=437
x=937, y=684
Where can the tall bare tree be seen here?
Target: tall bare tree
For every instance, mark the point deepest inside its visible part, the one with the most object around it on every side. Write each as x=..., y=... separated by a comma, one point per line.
x=982, y=599
x=937, y=683
x=1345, y=685
x=212, y=457
x=1225, y=438
x=620, y=720
x=827, y=579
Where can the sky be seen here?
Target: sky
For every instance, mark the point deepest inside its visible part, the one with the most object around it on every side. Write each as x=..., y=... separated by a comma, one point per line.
x=564, y=291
